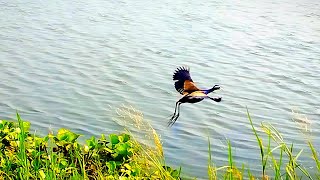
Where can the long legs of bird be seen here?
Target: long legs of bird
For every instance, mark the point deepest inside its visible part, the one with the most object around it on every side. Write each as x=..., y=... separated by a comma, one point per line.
x=175, y=114
x=215, y=87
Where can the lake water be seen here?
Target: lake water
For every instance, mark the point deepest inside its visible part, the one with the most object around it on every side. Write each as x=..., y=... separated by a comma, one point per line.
x=65, y=63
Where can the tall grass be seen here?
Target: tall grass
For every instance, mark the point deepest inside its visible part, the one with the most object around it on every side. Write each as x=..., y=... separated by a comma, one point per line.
x=147, y=141
x=284, y=166
x=315, y=157
x=211, y=168
x=24, y=169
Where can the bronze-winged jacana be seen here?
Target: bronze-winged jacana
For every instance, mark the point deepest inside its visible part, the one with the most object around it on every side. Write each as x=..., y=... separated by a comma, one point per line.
x=191, y=93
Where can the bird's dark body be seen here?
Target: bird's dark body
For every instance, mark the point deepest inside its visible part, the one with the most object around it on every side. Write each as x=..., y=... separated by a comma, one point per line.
x=191, y=93
x=190, y=99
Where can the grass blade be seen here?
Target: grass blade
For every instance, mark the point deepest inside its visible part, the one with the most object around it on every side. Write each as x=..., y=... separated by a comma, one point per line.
x=230, y=161
x=259, y=143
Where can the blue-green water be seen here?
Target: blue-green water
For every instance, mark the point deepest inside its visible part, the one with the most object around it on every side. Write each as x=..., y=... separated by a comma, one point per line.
x=64, y=63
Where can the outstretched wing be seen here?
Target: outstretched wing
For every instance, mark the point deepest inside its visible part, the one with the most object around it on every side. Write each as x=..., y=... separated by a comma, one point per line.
x=184, y=83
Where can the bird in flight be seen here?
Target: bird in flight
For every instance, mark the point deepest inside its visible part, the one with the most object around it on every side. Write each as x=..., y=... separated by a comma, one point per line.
x=191, y=93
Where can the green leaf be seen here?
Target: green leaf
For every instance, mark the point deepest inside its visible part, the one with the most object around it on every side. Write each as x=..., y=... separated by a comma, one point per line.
x=124, y=138
x=66, y=135
x=175, y=173
x=63, y=163
x=1, y=125
x=92, y=143
x=111, y=166
x=26, y=125
x=114, y=139
x=122, y=149
x=46, y=138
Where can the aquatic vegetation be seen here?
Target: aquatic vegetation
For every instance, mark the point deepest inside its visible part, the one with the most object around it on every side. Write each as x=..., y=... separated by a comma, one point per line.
x=283, y=166
x=148, y=141
x=60, y=156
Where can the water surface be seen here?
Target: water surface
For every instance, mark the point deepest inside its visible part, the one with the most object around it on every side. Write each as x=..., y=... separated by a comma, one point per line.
x=64, y=63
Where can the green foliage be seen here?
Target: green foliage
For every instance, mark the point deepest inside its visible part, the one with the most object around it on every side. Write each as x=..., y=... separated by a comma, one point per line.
x=59, y=156
x=119, y=156
x=285, y=166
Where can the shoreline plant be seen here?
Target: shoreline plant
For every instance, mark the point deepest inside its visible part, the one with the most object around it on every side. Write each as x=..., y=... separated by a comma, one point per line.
x=284, y=166
x=60, y=156
x=127, y=156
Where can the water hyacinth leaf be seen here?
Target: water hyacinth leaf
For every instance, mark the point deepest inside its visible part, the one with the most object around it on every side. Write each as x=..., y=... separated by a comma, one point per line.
x=118, y=163
x=114, y=139
x=66, y=135
x=63, y=163
x=2, y=125
x=92, y=143
x=111, y=166
x=122, y=149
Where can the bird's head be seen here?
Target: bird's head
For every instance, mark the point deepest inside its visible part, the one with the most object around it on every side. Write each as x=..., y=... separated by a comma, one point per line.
x=216, y=87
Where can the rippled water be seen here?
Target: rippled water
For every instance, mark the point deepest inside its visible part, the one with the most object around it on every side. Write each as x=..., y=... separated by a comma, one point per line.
x=63, y=63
